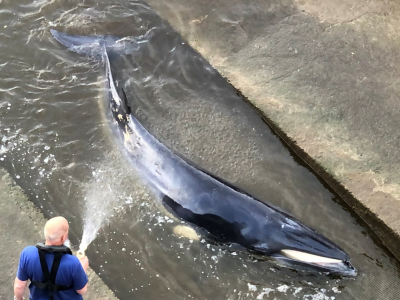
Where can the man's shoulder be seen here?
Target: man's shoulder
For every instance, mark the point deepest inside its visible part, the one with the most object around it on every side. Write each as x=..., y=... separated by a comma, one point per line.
x=71, y=259
x=70, y=264
x=29, y=250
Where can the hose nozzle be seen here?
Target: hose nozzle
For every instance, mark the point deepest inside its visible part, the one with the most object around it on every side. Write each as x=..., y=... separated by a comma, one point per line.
x=81, y=252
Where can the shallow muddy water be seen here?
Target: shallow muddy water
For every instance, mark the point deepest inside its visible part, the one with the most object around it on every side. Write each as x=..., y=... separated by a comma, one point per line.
x=56, y=143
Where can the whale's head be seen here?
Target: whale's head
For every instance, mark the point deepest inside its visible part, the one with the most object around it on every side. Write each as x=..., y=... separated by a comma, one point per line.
x=293, y=244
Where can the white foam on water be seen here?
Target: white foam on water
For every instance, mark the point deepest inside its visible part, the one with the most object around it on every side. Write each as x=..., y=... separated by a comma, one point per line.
x=282, y=288
x=252, y=287
x=298, y=292
x=318, y=296
x=265, y=292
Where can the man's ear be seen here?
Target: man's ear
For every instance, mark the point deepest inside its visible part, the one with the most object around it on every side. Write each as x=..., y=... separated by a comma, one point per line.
x=64, y=237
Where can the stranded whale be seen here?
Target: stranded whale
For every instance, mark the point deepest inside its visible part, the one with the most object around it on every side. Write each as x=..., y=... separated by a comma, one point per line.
x=221, y=211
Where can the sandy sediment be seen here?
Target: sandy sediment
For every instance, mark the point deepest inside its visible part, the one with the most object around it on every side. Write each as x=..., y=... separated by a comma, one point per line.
x=21, y=224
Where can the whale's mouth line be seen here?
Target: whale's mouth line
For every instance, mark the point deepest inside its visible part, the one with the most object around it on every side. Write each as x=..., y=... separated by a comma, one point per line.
x=309, y=258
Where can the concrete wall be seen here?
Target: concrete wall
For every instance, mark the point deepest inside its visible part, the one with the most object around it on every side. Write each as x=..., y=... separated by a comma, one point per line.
x=21, y=224
x=326, y=76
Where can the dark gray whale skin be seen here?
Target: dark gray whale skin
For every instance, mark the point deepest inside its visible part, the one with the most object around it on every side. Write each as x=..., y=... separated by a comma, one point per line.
x=223, y=212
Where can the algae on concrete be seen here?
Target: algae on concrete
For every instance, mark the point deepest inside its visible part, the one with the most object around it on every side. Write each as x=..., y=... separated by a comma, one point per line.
x=327, y=76
x=21, y=224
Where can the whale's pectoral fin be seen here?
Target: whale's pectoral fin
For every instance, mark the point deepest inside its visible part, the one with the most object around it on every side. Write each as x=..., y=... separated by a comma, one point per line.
x=180, y=230
x=187, y=232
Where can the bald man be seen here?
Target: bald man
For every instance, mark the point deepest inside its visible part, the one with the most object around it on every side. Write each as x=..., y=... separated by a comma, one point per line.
x=55, y=274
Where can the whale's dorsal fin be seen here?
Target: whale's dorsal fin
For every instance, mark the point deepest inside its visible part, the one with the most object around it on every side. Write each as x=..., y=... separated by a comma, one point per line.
x=125, y=104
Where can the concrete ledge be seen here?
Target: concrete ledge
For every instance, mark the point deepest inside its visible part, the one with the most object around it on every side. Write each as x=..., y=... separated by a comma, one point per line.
x=21, y=224
x=387, y=235
x=325, y=76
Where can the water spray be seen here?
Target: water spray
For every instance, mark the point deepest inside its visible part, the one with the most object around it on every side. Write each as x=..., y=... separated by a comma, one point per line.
x=97, y=210
x=102, y=196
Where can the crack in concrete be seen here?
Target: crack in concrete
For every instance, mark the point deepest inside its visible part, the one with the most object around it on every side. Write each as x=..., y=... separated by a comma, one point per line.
x=351, y=21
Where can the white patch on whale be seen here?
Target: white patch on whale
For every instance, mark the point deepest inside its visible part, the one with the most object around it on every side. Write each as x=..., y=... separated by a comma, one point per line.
x=309, y=258
x=186, y=232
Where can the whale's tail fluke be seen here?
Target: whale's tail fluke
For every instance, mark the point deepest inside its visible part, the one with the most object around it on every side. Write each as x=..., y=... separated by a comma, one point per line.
x=94, y=45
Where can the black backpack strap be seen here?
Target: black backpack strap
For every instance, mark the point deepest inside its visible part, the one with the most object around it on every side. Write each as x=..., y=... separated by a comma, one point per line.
x=49, y=278
x=43, y=264
x=55, y=266
x=53, y=273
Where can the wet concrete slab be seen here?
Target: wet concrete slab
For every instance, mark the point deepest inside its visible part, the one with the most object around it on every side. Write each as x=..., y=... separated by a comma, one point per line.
x=325, y=75
x=21, y=224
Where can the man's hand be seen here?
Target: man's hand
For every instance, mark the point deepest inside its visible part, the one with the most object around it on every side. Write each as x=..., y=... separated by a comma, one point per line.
x=84, y=262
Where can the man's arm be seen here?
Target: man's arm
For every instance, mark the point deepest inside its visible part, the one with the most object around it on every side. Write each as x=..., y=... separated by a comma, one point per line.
x=85, y=264
x=19, y=288
x=83, y=290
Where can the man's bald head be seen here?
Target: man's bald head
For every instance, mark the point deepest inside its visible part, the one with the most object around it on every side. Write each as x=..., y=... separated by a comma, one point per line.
x=56, y=231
